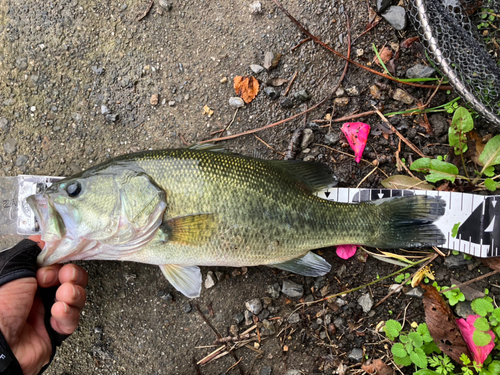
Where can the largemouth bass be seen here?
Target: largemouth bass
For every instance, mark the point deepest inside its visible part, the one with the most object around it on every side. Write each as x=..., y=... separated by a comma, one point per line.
x=185, y=208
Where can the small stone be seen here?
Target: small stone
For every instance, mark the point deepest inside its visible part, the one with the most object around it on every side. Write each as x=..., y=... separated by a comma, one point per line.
x=339, y=322
x=463, y=309
x=415, y=292
x=340, y=92
x=332, y=138
x=294, y=372
x=292, y=289
x=4, y=124
x=396, y=288
x=356, y=355
x=236, y=102
x=248, y=318
x=294, y=318
x=263, y=315
x=286, y=103
x=167, y=5
x=21, y=63
x=32, y=108
x=266, y=301
x=256, y=7
x=164, y=296
x=396, y=17
x=341, y=102
x=307, y=138
x=219, y=275
x=154, y=99
x=352, y=91
x=268, y=328
x=383, y=5
x=302, y=95
x=187, y=308
x=271, y=60
x=322, y=335
x=223, y=80
x=402, y=96
x=112, y=117
x=256, y=68
x=456, y=261
x=272, y=92
x=97, y=70
x=375, y=91
x=239, y=318
x=266, y=371
x=366, y=302
x=328, y=319
x=76, y=117
x=10, y=146
x=21, y=160
x=254, y=306
x=8, y=102
x=273, y=290
x=420, y=71
x=104, y=109
x=171, y=103
x=359, y=52
x=234, y=330
x=210, y=280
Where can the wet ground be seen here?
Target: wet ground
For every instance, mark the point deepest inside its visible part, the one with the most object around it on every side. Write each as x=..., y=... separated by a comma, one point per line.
x=77, y=83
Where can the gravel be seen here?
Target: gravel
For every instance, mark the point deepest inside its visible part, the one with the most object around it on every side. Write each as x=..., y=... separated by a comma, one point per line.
x=292, y=289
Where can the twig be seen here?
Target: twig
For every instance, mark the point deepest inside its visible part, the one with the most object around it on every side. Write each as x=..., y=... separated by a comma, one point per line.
x=400, y=163
x=231, y=123
x=147, y=11
x=470, y=281
x=372, y=26
x=368, y=175
x=300, y=43
x=411, y=145
x=345, y=118
x=437, y=250
x=434, y=93
x=233, y=366
x=253, y=363
x=321, y=43
x=224, y=340
x=290, y=83
x=269, y=147
x=198, y=371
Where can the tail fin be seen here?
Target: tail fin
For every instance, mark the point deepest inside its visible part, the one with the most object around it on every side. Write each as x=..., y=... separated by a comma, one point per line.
x=407, y=221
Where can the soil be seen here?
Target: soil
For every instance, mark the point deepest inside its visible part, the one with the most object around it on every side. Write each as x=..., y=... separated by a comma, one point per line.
x=76, y=81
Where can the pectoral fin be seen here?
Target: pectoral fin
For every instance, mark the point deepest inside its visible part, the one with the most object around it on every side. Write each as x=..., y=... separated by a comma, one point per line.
x=308, y=265
x=186, y=279
x=190, y=230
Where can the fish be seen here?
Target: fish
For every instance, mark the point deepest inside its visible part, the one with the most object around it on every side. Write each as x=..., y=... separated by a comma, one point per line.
x=205, y=206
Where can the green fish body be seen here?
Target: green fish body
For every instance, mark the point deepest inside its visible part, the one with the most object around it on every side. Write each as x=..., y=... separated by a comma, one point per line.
x=185, y=208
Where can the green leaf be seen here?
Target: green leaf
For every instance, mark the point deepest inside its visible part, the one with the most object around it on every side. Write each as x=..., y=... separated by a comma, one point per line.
x=490, y=184
x=482, y=324
x=392, y=328
x=419, y=358
x=481, y=338
x=481, y=306
x=403, y=339
x=431, y=347
x=402, y=361
x=461, y=124
x=438, y=170
x=423, y=331
x=406, y=182
x=398, y=350
x=465, y=360
x=496, y=313
x=416, y=339
x=425, y=371
x=454, y=230
x=490, y=171
x=491, y=153
x=494, y=367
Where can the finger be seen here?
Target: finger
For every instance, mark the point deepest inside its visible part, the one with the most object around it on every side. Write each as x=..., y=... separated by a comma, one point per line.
x=48, y=276
x=64, y=318
x=71, y=294
x=71, y=273
x=38, y=239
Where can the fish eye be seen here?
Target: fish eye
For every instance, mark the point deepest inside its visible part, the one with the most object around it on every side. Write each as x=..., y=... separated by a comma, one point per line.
x=74, y=189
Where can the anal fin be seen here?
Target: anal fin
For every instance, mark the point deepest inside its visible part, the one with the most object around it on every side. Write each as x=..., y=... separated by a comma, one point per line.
x=308, y=265
x=186, y=279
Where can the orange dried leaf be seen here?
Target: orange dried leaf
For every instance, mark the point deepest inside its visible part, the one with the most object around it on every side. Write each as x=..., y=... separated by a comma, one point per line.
x=442, y=325
x=377, y=366
x=246, y=87
x=385, y=55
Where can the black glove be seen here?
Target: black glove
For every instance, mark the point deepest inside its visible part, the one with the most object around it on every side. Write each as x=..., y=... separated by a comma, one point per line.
x=17, y=263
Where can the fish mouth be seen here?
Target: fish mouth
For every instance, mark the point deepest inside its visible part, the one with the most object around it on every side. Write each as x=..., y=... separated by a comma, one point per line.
x=52, y=227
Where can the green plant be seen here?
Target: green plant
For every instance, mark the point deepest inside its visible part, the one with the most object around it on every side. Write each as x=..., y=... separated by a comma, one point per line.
x=442, y=364
x=402, y=277
x=454, y=296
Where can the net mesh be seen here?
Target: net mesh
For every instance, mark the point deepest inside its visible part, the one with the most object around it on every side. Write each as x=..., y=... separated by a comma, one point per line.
x=454, y=44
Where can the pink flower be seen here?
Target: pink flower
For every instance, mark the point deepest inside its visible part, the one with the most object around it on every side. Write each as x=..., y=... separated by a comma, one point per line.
x=346, y=251
x=467, y=329
x=357, y=135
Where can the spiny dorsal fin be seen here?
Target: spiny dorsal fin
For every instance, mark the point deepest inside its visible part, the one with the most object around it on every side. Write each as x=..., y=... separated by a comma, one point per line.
x=186, y=279
x=190, y=230
x=308, y=265
x=316, y=176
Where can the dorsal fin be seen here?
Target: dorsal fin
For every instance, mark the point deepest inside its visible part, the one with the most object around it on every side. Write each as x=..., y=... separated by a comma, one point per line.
x=316, y=176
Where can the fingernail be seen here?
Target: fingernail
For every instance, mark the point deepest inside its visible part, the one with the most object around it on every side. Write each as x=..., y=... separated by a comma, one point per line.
x=76, y=275
x=66, y=307
x=49, y=277
x=76, y=292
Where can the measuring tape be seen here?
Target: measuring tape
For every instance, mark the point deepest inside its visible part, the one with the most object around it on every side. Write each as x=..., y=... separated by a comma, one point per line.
x=469, y=224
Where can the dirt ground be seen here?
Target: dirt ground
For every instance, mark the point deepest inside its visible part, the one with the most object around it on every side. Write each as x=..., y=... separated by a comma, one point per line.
x=76, y=81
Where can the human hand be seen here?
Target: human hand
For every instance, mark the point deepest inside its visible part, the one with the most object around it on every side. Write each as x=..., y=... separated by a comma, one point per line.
x=22, y=312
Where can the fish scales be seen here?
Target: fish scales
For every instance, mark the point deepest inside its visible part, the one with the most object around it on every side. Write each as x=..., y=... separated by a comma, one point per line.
x=183, y=208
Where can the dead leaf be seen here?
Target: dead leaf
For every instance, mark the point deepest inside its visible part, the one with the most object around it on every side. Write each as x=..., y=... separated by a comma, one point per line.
x=246, y=87
x=385, y=56
x=271, y=60
x=276, y=82
x=207, y=111
x=479, y=146
x=442, y=325
x=493, y=263
x=377, y=366
x=406, y=182
x=408, y=42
